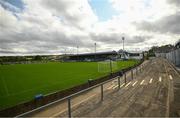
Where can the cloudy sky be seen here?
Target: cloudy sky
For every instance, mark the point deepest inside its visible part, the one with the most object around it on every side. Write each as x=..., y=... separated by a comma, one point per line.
x=58, y=26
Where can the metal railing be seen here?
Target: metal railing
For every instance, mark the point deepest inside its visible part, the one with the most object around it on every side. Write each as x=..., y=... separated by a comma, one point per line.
x=101, y=85
x=172, y=56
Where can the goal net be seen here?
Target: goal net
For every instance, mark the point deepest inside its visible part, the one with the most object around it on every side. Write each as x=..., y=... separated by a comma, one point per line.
x=105, y=66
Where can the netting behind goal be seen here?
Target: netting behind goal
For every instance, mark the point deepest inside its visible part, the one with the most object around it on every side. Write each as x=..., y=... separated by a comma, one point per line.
x=104, y=66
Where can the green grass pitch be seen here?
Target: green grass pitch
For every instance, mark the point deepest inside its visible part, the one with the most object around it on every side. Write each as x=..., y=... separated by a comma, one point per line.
x=21, y=82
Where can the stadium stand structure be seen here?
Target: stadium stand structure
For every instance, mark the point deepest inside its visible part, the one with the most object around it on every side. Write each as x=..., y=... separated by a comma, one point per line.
x=99, y=56
x=102, y=56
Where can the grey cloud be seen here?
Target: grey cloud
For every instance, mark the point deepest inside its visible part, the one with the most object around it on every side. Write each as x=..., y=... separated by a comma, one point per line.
x=60, y=9
x=174, y=2
x=168, y=24
x=115, y=38
x=6, y=52
x=35, y=40
x=35, y=20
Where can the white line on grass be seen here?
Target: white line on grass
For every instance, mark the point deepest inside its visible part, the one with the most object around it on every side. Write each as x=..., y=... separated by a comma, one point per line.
x=5, y=86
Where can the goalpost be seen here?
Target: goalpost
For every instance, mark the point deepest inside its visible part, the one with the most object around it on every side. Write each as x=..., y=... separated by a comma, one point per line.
x=105, y=66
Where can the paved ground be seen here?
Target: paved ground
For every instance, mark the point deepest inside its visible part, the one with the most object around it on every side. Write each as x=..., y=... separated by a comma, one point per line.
x=150, y=93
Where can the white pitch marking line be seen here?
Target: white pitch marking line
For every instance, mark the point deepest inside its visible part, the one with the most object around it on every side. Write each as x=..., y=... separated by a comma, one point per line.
x=134, y=83
x=170, y=77
x=5, y=86
x=151, y=80
x=160, y=79
x=142, y=82
x=55, y=115
x=128, y=84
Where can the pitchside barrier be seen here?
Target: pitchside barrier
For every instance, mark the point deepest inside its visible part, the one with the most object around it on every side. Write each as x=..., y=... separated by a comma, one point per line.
x=26, y=109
